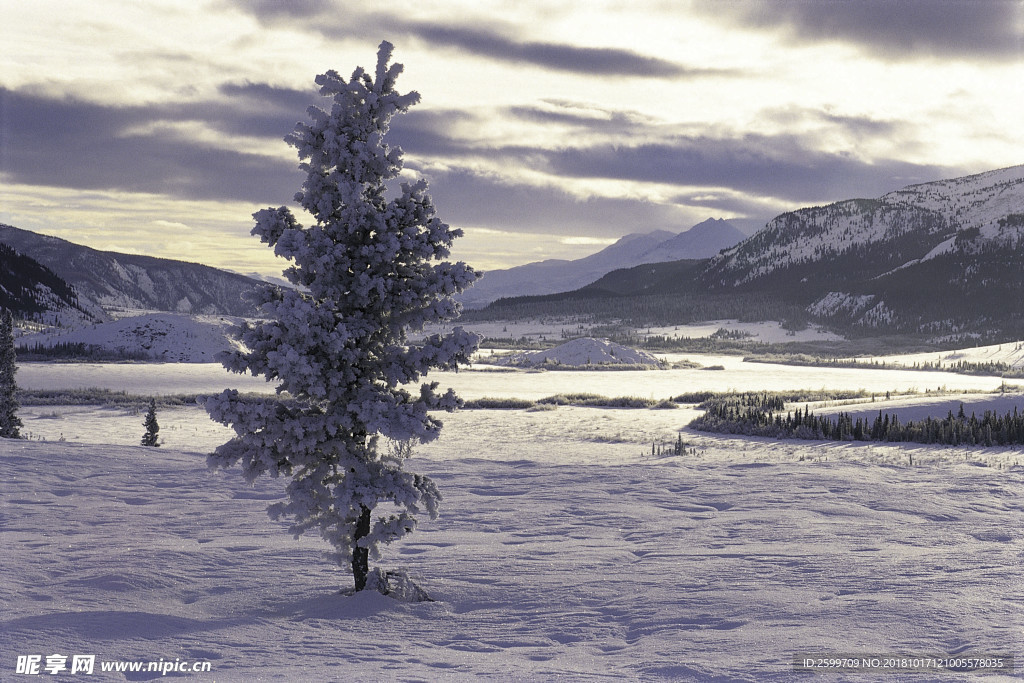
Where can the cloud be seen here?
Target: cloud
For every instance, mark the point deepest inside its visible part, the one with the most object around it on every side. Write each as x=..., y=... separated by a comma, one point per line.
x=343, y=22
x=434, y=132
x=171, y=225
x=555, y=56
x=592, y=118
x=466, y=197
x=781, y=166
x=729, y=203
x=846, y=126
x=588, y=241
x=65, y=142
x=274, y=98
x=892, y=29
x=274, y=9
x=826, y=159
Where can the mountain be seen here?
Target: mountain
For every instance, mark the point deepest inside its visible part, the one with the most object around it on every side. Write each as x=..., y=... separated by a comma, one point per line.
x=937, y=258
x=557, y=275
x=560, y=275
x=702, y=241
x=869, y=237
x=115, y=281
x=941, y=260
x=33, y=292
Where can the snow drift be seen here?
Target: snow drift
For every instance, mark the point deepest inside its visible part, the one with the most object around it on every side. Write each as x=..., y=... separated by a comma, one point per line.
x=582, y=352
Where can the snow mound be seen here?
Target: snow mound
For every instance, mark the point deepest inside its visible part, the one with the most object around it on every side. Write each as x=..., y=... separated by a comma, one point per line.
x=582, y=352
x=396, y=583
x=160, y=336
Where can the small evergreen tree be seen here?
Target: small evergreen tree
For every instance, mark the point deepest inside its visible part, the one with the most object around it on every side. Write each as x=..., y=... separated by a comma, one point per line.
x=368, y=271
x=152, y=427
x=10, y=423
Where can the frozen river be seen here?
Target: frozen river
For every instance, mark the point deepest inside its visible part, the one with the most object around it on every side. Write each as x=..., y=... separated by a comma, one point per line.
x=482, y=380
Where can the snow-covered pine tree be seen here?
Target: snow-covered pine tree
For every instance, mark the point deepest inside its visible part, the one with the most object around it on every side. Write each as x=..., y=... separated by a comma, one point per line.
x=368, y=271
x=10, y=423
x=150, y=438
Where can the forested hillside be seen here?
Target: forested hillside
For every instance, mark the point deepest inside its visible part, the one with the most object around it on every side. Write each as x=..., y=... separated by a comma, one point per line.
x=32, y=291
x=127, y=281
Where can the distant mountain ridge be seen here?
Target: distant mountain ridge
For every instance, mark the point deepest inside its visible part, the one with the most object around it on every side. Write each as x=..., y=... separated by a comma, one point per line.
x=111, y=280
x=944, y=257
x=901, y=228
x=557, y=275
x=941, y=260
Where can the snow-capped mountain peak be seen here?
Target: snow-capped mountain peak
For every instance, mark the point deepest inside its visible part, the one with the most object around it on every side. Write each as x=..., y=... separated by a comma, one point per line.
x=908, y=225
x=702, y=241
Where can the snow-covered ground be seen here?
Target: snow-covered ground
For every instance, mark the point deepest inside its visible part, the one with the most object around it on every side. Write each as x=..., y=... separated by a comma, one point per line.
x=565, y=550
x=770, y=332
x=483, y=380
x=1011, y=354
x=486, y=380
x=174, y=338
x=556, y=328
x=161, y=336
x=579, y=352
x=918, y=407
x=145, y=379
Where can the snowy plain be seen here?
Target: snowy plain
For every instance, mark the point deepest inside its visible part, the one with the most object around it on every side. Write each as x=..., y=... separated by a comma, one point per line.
x=565, y=550
x=165, y=336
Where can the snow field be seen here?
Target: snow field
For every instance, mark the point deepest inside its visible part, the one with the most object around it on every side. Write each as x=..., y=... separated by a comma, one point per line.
x=480, y=381
x=181, y=427
x=918, y=407
x=485, y=381
x=626, y=567
x=564, y=550
x=1011, y=353
x=143, y=379
x=552, y=329
x=770, y=332
x=580, y=352
x=166, y=336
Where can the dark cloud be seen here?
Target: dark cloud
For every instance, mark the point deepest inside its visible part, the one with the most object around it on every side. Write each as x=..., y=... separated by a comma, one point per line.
x=275, y=9
x=269, y=96
x=722, y=203
x=894, y=29
x=434, y=132
x=340, y=21
x=849, y=126
x=68, y=142
x=71, y=143
x=608, y=121
x=779, y=166
x=467, y=198
x=791, y=168
x=556, y=56
x=257, y=109
x=83, y=145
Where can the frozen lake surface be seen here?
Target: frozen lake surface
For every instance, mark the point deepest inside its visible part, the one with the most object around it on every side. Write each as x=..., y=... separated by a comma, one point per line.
x=145, y=379
x=483, y=380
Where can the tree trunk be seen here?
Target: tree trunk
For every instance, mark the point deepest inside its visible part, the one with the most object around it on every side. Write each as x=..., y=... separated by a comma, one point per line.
x=361, y=556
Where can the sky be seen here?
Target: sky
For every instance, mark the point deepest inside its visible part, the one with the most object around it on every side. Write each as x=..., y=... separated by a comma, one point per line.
x=546, y=128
